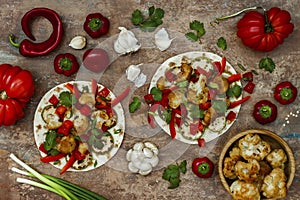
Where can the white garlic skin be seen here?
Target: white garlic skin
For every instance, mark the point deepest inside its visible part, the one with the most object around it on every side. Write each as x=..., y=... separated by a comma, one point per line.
x=126, y=42
x=78, y=42
x=142, y=158
x=162, y=40
x=134, y=74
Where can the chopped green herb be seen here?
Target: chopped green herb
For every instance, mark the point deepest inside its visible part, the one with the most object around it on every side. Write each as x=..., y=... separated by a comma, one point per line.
x=222, y=43
x=199, y=28
x=50, y=140
x=241, y=66
x=172, y=174
x=150, y=23
x=267, y=64
x=234, y=91
x=134, y=105
x=65, y=98
x=157, y=93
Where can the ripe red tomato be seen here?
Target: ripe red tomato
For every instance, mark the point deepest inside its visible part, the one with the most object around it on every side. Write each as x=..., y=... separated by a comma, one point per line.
x=264, y=32
x=16, y=89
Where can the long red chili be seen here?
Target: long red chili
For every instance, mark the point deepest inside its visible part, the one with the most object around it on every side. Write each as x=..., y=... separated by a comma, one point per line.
x=30, y=49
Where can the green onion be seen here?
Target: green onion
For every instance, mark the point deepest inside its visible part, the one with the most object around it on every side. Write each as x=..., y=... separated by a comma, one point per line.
x=59, y=186
x=241, y=66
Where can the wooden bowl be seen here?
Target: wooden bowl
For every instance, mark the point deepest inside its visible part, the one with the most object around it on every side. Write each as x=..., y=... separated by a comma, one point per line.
x=273, y=139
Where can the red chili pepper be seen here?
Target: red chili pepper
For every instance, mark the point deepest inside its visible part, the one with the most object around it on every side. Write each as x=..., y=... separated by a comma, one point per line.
x=205, y=106
x=104, y=92
x=238, y=102
x=172, y=125
x=53, y=100
x=285, y=92
x=96, y=25
x=42, y=148
x=78, y=155
x=231, y=116
x=264, y=112
x=248, y=76
x=201, y=142
x=51, y=158
x=69, y=164
x=234, y=77
x=30, y=49
x=94, y=87
x=203, y=167
x=249, y=87
x=66, y=64
x=122, y=96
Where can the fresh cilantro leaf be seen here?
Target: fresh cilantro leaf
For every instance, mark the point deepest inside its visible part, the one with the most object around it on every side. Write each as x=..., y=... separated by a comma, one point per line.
x=157, y=93
x=174, y=182
x=267, y=64
x=234, y=91
x=53, y=152
x=167, y=115
x=151, y=10
x=191, y=36
x=222, y=43
x=50, y=140
x=148, y=26
x=182, y=166
x=196, y=25
x=134, y=105
x=137, y=17
x=65, y=98
x=158, y=13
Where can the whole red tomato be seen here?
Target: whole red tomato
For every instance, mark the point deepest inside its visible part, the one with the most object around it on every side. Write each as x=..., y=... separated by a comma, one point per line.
x=96, y=60
x=264, y=32
x=16, y=89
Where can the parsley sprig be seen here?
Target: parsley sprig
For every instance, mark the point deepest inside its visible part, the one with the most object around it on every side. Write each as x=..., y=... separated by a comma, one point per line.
x=267, y=64
x=172, y=174
x=198, y=29
x=150, y=22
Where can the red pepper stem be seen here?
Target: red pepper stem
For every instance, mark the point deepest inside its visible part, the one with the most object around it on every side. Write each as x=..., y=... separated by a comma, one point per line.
x=217, y=20
x=11, y=38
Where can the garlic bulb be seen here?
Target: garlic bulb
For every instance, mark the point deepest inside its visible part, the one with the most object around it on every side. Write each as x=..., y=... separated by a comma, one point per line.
x=78, y=42
x=133, y=73
x=143, y=157
x=162, y=40
x=126, y=42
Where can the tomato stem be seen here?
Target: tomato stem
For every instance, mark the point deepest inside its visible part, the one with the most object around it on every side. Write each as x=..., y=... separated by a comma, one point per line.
x=217, y=20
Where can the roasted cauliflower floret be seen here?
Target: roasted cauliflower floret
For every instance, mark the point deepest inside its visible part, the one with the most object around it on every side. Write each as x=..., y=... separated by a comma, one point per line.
x=277, y=158
x=235, y=154
x=265, y=169
x=81, y=122
x=252, y=147
x=175, y=99
x=87, y=98
x=185, y=72
x=241, y=190
x=66, y=144
x=229, y=168
x=103, y=118
x=274, y=185
x=161, y=83
x=248, y=172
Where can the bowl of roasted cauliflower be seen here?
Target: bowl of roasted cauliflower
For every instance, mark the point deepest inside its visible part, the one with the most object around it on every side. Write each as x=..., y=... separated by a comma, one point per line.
x=256, y=164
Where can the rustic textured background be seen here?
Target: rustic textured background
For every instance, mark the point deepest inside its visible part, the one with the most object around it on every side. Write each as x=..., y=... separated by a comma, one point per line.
x=112, y=180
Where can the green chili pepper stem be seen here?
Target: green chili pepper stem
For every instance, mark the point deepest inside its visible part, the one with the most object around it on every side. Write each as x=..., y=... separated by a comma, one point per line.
x=95, y=24
x=236, y=14
x=203, y=168
x=265, y=111
x=11, y=38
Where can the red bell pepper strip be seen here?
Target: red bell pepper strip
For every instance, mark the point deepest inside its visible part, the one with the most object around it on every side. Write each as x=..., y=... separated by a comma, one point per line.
x=96, y=25
x=203, y=167
x=201, y=142
x=172, y=125
x=30, y=49
x=104, y=92
x=238, y=102
x=122, y=96
x=151, y=120
x=223, y=64
x=285, y=92
x=149, y=99
x=60, y=110
x=231, y=116
x=73, y=89
x=234, y=77
x=65, y=128
x=53, y=100
x=249, y=87
x=66, y=64
x=248, y=76
x=205, y=106
x=51, y=158
x=69, y=164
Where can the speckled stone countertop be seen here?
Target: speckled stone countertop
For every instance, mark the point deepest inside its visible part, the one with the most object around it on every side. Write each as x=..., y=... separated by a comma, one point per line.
x=113, y=180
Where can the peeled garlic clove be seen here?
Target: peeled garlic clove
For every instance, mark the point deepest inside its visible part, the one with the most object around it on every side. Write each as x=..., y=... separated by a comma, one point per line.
x=151, y=146
x=128, y=155
x=126, y=42
x=138, y=146
x=153, y=160
x=137, y=156
x=132, y=168
x=147, y=152
x=78, y=42
x=145, y=172
x=133, y=71
x=140, y=80
x=162, y=40
x=145, y=168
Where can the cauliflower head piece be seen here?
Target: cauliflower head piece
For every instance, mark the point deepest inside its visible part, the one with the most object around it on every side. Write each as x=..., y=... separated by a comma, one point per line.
x=241, y=190
x=274, y=185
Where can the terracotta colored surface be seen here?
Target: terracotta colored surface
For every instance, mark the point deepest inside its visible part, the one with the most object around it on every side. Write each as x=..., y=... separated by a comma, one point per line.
x=113, y=179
